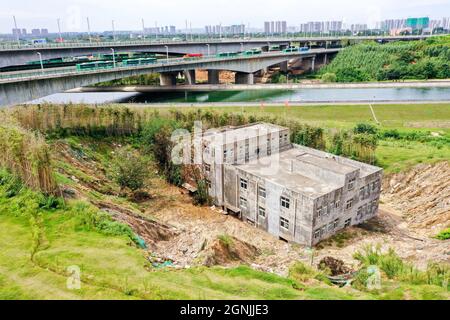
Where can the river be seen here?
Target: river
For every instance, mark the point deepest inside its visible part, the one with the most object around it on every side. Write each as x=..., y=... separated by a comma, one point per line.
x=306, y=95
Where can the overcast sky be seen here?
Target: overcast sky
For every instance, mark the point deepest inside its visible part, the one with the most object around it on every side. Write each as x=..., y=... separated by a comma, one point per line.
x=128, y=13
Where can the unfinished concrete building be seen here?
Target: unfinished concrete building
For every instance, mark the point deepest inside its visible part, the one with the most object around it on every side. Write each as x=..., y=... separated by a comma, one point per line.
x=296, y=193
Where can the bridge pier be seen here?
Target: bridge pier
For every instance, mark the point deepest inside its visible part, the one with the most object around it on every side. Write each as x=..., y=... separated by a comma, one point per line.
x=313, y=64
x=190, y=76
x=168, y=78
x=213, y=76
x=284, y=66
x=244, y=78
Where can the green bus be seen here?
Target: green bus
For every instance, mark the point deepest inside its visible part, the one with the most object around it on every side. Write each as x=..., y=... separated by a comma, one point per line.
x=226, y=54
x=139, y=62
x=95, y=65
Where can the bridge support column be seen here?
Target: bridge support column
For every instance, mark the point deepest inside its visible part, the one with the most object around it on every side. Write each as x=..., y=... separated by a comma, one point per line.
x=190, y=76
x=284, y=66
x=168, y=78
x=244, y=78
x=213, y=76
x=313, y=64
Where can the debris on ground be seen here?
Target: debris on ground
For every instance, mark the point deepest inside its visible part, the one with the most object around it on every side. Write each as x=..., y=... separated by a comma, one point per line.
x=335, y=266
x=226, y=250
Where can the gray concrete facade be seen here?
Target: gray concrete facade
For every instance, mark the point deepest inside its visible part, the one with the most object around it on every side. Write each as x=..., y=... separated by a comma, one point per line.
x=295, y=193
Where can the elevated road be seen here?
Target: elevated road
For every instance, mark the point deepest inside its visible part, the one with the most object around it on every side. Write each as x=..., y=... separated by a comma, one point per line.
x=12, y=55
x=21, y=87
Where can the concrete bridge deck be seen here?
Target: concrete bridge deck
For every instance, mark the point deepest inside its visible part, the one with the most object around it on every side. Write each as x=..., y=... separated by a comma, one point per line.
x=22, y=87
x=11, y=55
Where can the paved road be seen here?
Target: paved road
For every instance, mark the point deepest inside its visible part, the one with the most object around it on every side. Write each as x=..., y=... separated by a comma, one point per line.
x=242, y=87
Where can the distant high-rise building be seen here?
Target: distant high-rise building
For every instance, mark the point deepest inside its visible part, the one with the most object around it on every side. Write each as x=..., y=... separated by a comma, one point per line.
x=44, y=32
x=391, y=24
x=35, y=32
x=166, y=30
x=275, y=27
x=321, y=26
x=235, y=29
x=418, y=23
x=16, y=32
x=267, y=27
x=355, y=28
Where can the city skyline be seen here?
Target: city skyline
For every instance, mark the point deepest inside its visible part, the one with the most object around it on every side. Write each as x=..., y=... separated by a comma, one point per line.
x=254, y=14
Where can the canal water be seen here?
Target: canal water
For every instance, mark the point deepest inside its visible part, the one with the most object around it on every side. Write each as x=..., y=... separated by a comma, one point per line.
x=270, y=96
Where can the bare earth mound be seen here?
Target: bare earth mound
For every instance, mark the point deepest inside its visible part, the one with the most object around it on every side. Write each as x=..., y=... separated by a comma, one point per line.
x=229, y=251
x=422, y=195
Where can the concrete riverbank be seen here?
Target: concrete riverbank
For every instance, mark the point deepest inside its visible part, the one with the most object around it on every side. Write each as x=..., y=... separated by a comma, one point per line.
x=294, y=86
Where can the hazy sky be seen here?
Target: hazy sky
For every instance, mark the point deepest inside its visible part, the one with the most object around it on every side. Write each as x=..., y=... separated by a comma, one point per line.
x=128, y=14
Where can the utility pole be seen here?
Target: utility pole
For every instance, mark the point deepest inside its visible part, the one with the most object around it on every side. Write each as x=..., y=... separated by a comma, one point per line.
x=190, y=30
x=156, y=29
x=143, y=29
x=17, y=31
x=186, y=30
x=59, y=30
x=89, y=30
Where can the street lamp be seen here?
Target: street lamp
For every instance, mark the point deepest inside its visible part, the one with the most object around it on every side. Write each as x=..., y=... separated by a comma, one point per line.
x=113, y=30
x=209, y=49
x=59, y=30
x=167, y=53
x=114, y=57
x=17, y=31
x=89, y=30
x=40, y=61
x=242, y=47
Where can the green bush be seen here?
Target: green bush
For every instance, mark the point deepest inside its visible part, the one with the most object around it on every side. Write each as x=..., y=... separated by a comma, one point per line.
x=365, y=128
x=329, y=77
x=129, y=169
x=444, y=234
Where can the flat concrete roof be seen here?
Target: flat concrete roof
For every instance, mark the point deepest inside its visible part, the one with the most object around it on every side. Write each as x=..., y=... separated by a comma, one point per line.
x=327, y=163
x=227, y=135
x=292, y=180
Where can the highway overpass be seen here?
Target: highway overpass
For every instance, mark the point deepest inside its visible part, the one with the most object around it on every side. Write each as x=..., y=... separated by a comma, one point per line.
x=11, y=55
x=21, y=87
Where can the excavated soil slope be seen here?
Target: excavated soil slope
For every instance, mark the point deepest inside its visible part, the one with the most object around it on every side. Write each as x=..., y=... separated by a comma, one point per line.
x=422, y=195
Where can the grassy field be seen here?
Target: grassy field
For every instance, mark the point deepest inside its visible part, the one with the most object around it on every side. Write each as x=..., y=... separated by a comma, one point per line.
x=393, y=156
x=414, y=116
x=113, y=269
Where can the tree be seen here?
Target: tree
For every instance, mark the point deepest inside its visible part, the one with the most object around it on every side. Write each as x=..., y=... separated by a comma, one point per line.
x=129, y=169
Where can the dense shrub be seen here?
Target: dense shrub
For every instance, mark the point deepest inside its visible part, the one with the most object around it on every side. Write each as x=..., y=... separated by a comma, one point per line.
x=129, y=169
x=329, y=77
x=371, y=61
x=27, y=156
